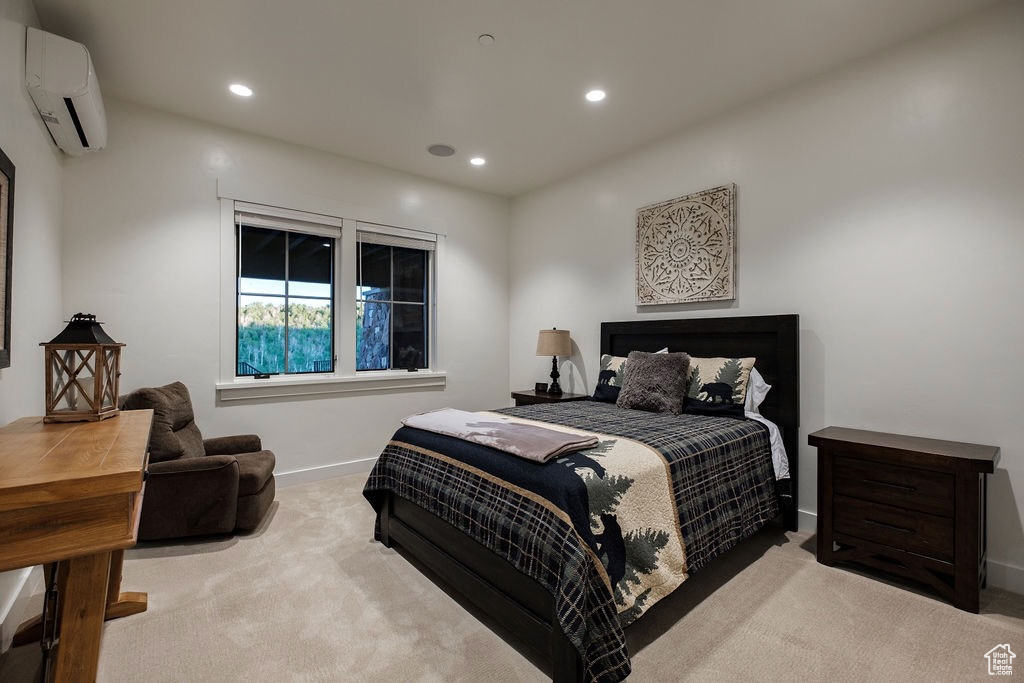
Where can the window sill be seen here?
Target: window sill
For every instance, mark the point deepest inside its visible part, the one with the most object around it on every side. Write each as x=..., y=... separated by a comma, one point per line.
x=242, y=389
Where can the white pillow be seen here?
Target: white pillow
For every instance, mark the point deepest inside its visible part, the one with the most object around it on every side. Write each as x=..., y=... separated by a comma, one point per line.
x=757, y=389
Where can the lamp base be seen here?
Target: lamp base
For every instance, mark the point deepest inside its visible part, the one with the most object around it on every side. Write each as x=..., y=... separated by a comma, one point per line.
x=554, y=389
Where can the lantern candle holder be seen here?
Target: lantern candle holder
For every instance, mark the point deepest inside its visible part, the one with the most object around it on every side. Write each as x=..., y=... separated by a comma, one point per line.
x=83, y=369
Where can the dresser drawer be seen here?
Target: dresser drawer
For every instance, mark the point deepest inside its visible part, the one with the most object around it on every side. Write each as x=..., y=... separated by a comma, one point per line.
x=903, y=487
x=915, y=532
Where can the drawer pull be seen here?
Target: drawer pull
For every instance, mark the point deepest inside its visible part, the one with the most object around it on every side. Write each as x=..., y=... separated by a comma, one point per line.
x=901, y=487
x=886, y=525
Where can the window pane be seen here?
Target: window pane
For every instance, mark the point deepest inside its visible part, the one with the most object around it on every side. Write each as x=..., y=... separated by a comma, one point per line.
x=285, y=301
x=373, y=272
x=260, y=335
x=309, y=335
x=309, y=260
x=410, y=339
x=410, y=274
x=373, y=327
x=249, y=285
x=262, y=253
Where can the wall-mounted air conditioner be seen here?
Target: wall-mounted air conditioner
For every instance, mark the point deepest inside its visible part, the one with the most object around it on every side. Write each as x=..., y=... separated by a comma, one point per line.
x=63, y=85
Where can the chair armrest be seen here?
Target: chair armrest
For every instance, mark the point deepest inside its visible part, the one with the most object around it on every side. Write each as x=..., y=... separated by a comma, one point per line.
x=242, y=443
x=189, y=497
x=181, y=465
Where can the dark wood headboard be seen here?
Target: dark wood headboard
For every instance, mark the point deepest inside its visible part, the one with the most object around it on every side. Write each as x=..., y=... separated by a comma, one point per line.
x=773, y=339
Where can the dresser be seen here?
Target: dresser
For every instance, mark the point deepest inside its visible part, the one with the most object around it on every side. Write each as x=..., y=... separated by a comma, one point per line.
x=910, y=506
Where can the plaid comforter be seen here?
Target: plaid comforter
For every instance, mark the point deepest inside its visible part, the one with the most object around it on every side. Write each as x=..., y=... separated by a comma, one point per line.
x=538, y=517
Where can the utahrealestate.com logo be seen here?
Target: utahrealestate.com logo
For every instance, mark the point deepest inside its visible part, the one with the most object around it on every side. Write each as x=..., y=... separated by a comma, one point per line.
x=1000, y=660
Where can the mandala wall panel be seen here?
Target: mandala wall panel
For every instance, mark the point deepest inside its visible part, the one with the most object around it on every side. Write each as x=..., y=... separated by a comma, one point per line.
x=686, y=248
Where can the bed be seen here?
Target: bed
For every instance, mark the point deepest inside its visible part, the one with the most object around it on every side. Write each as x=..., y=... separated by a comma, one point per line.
x=522, y=584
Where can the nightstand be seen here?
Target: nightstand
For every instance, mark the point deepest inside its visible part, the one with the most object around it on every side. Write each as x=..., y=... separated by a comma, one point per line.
x=529, y=397
x=907, y=505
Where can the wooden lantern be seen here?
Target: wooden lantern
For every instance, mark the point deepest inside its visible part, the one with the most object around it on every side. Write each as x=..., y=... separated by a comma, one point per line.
x=83, y=369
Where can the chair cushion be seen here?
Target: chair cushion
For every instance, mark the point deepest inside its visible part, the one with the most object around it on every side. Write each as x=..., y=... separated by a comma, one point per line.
x=175, y=433
x=254, y=469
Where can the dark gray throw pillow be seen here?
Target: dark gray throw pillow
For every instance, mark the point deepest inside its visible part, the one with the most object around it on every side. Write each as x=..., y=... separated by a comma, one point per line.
x=655, y=382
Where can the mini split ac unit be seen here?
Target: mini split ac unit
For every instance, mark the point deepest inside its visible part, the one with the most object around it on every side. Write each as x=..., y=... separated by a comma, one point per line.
x=63, y=85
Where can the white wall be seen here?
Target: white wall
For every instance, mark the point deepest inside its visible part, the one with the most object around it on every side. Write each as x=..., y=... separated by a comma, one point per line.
x=882, y=202
x=141, y=251
x=35, y=305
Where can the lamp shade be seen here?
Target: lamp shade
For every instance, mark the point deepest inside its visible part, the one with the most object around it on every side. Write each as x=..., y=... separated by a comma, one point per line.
x=553, y=343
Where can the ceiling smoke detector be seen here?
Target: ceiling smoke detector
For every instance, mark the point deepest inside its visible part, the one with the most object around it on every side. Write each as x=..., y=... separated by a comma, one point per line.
x=441, y=150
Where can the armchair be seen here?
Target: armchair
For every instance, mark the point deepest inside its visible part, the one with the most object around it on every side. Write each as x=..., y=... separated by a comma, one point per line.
x=198, y=486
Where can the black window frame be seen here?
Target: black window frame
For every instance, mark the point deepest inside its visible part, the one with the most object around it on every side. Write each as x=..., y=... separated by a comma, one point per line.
x=427, y=248
x=333, y=242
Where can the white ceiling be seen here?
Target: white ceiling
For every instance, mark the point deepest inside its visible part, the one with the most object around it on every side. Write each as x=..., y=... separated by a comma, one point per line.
x=381, y=80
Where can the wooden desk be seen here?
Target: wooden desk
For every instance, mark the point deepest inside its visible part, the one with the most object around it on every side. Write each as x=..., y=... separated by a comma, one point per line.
x=72, y=493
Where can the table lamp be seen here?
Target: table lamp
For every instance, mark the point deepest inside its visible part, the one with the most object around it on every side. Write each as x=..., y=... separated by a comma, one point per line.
x=554, y=343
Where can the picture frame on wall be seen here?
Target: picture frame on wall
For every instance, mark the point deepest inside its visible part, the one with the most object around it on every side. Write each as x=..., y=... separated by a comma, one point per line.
x=686, y=248
x=6, y=252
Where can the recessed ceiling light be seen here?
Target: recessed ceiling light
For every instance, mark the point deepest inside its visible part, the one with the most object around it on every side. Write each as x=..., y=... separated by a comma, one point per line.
x=441, y=150
x=478, y=161
x=240, y=90
x=595, y=95
x=485, y=39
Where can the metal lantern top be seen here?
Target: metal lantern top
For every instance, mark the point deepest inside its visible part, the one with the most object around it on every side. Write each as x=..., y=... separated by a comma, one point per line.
x=83, y=329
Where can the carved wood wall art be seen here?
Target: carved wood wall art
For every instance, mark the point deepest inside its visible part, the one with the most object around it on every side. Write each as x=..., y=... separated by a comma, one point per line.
x=686, y=248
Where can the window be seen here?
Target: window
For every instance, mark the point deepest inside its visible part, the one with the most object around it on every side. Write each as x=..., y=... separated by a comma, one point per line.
x=393, y=281
x=285, y=289
x=290, y=325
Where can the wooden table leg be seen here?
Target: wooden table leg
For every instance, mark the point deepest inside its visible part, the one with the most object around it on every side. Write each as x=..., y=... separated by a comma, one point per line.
x=118, y=604
x=83, y=605
x=122, y=604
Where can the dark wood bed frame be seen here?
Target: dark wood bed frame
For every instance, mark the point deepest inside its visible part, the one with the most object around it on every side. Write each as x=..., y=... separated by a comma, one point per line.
x=518, y=602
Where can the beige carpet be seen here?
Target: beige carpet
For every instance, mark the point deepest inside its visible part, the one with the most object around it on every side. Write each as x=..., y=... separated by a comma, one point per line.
x=310, y=597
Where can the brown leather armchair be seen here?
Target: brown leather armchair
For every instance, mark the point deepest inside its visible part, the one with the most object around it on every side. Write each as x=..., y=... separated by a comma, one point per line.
x=197, y=486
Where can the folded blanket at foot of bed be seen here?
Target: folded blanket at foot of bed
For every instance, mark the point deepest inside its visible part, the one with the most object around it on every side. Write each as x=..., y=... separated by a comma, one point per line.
x=529, y=441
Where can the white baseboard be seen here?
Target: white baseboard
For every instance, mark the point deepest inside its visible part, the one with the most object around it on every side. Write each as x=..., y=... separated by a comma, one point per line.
x=1006, y=576
x=16, y=588
x=311, y=474
x=806, y=521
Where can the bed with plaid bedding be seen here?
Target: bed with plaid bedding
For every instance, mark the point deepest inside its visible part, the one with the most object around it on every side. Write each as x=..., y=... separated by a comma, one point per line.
x=589, y=526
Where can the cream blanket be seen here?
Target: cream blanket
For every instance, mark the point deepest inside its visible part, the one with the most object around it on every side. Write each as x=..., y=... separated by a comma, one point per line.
x=632, y=516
